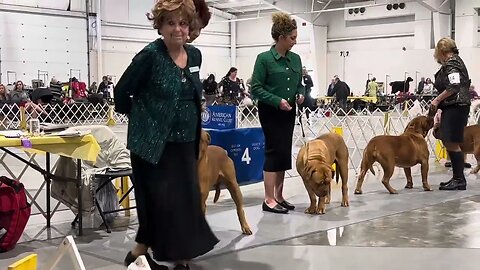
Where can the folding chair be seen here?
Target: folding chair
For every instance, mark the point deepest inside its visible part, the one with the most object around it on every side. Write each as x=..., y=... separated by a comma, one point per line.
x=104, y=179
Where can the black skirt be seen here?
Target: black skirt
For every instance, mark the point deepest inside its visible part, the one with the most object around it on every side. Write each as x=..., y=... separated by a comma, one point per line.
x=453, y=122
x=277, y=126
x=171, y=221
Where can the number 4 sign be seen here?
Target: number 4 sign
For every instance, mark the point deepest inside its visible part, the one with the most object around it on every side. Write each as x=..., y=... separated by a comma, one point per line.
x=246, y=157
x=246, y=148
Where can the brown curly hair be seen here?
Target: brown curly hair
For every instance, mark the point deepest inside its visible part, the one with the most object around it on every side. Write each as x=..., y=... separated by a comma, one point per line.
x=282, y=25
x=164, y=9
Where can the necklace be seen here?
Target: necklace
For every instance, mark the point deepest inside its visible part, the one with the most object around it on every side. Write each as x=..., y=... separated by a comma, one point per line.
x=184, y=79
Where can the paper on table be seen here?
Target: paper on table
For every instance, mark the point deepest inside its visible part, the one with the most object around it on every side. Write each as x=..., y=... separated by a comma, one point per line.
x=69, y=133
x=16, y=133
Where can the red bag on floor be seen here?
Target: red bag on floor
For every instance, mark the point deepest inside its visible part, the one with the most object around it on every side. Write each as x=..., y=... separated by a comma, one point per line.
x=14, y=212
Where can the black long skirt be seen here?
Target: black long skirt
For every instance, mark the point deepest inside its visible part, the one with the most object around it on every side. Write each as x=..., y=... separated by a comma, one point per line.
x=277, y=126
x=171, y=221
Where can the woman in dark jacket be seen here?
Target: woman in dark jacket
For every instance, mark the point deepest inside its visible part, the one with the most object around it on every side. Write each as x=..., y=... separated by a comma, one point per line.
x=452, y=82
x=160, y=92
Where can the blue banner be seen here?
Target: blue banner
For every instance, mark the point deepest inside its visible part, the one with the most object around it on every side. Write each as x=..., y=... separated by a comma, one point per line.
x=219, y=117
x=246, y=147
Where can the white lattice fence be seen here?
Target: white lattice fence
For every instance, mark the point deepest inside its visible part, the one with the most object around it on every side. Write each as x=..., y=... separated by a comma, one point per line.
x=73, y=114
x=358, y=127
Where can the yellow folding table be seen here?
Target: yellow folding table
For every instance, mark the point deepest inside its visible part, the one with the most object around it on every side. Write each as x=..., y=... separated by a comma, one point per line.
x=83, y=147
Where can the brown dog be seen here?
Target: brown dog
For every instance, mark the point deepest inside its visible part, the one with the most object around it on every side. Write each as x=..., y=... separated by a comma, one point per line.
x=471, y=142
x=314, y=164
x=216, y=168
x=405, y=151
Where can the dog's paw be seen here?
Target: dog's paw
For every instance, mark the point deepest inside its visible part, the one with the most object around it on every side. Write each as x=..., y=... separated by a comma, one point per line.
x=345, y=204
x=311, y=210
x=246, y=230
x=409, y=186
x=393, y=191
x=475, y=170
x=427, y=188
x=320, y=211
x=358, y=191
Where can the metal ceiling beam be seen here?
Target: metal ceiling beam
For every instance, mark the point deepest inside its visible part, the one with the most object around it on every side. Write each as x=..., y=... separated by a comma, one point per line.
x=252, y=9
x=222, y=14
x=272, y=5
x=427, y=5
x=434, y=5
x=320, y=13
x=237, y=4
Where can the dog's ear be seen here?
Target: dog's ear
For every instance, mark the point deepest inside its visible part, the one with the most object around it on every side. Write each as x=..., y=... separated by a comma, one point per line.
x=428, y=124
x=305, y=156
x=209, y=138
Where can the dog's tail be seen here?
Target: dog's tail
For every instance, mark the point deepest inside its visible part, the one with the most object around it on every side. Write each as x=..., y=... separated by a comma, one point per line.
x=337, y=174
x=366, y=162
x=217, y=192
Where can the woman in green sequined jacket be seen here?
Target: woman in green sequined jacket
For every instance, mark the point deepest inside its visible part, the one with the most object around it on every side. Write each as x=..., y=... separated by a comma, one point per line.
x=160, y=92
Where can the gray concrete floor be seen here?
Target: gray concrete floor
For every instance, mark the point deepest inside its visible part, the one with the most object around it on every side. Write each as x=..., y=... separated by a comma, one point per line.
x=411, y=230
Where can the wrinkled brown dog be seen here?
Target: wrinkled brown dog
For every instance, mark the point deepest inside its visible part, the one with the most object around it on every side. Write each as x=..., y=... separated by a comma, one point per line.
x=216, y=168
x=471, y=142
x=314, y=164
x=405, y=151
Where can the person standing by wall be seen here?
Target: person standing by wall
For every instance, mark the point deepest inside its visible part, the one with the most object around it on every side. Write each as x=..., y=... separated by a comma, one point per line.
x=372, y=88
x=452, y=82
x=160, y=92
x=277, y=84
x=341, y=92
x=308, y=104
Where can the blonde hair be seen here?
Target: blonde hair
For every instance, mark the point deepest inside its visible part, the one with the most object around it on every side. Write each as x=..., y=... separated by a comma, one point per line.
x=444, y=46
x=164, y=9
x=282, y=25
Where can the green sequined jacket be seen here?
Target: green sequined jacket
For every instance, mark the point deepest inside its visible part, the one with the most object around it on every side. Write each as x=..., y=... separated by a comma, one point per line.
x=148, y=92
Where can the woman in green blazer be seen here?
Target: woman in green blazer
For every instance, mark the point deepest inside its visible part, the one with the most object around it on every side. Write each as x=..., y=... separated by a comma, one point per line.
x=277, y=84
x=160, y=92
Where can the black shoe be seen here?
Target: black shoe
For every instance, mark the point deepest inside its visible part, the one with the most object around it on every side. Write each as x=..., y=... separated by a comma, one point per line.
x=153, y=265
x=278, y=209
x=446, y=183
x=286, y=205
x=455, y=184
x=448, y=164
x=181, y=267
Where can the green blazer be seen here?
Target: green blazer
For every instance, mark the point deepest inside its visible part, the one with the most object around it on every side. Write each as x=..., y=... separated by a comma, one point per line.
x=148, y=92
x=276, y=77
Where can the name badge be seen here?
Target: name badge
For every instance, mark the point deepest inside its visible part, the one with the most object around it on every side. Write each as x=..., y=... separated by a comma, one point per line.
x=194, y=69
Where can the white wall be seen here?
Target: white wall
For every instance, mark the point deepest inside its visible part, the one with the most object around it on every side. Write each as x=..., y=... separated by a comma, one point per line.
x=375, y=46
x=29, y=42
x=253, y=37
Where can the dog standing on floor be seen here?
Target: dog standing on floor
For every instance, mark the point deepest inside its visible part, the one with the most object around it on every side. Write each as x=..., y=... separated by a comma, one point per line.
x=314, y=164
x=471, y=141
x=405, y=151
x=216, y=168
